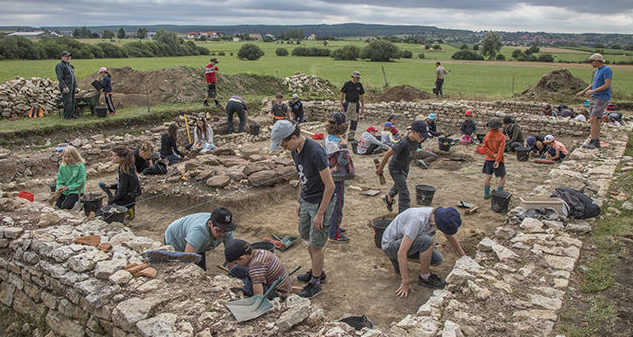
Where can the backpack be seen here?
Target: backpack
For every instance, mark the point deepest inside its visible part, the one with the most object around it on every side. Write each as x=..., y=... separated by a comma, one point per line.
x=35, y=112
x=341, y=165
x=580, y=205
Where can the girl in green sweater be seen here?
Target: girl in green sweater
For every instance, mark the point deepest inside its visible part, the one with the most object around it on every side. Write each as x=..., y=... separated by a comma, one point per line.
x=71, y=178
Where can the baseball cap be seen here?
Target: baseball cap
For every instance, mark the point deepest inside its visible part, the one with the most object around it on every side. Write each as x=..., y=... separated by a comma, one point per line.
x=234, y=249
x=448, y=220
x=356, y=74
x=214, y=60
x=281, y=129
x=388, y=124
x=508, y=120
x=468, y=113
x=66, y=53
x=223, y=219
x=530, y=141
x=103, y=69
x=548, y=139
x=431, y=116
x=495, y=123
x=437, y=63
x=372, y=129
x=337, y=118
x=393, y=116
x=597, y=57
x=419, y=127
x=295, y=96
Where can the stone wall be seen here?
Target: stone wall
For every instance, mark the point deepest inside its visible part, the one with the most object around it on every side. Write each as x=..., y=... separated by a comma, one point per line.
x=18, y=95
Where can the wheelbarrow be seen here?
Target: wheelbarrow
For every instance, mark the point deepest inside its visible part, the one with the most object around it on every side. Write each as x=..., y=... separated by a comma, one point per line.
x=88, y=100
x=254, y=306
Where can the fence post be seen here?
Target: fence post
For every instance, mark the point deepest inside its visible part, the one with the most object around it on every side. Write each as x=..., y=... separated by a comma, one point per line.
x=384, y=76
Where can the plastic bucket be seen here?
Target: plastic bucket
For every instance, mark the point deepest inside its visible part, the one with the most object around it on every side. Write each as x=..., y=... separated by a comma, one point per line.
x=499, y=201
x=445, y=143
x=354, y=146
x=52, y=187
x=523, y=153
x=480, y=137
x=424, y=194
x=92, y=202
x=358, y=322
x=101, y=111
x=265, y=245
x=379, y=226
x=114, y=213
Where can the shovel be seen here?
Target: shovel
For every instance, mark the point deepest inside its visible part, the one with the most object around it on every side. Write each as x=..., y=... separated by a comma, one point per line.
x=286, y=240
x=254, y=306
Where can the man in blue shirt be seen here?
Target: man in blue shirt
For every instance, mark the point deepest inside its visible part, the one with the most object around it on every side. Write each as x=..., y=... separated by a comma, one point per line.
x=600, y=92
x=315, y=197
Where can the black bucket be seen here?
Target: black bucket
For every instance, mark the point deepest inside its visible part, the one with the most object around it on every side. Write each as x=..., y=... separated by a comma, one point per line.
x=354, y=146
x=499, y=201
x=253, y=129
x=53, y=187
x=480, y=137
x=445, y=143
x=101, y=111
x=114, y=213
x=424, y=194
x=523, y=153
x=92, y=202
x=358, y=322
x=265, y=245
x=379, y=226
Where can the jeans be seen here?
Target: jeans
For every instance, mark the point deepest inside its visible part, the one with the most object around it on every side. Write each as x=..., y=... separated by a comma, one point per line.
x=337, y=215
x=69, y=103
x=235, y=107
x=241, y=273
x=420, y=244
x=399, y=176
x=67, y=201
x=438, y=85
x=173, y=158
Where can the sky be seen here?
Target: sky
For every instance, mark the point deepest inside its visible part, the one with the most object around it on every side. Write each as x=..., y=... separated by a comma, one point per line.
x=565, y=16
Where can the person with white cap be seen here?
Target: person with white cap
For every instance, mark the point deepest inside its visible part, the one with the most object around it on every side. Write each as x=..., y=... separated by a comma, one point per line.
x=600, y=92
x=106, y=87
x=555, y=150
x=353, y=102
x=296, y=109
x=67, y=84
x=315, y=197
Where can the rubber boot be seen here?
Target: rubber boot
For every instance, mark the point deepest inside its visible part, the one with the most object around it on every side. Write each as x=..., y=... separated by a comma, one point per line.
x=205, y=102
x=486, y=192
x=217, y=104
x=592, y=144
x=500, y=188
x=597, y=143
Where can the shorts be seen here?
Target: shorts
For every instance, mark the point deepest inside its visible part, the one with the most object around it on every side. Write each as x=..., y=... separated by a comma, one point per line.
x=211, y=90
x=597, y=106
x=307, y=212
x=489, y=169
x=420, y=244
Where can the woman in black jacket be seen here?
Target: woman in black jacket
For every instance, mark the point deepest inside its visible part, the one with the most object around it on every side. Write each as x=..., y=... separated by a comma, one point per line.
x=168, y=147
x=127, y=187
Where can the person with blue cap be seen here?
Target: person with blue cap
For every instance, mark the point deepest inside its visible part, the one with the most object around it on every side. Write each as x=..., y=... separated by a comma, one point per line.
x=410, y=236
x=536, y=145
x=430, y=121
x=387, y=136
x=315, y=197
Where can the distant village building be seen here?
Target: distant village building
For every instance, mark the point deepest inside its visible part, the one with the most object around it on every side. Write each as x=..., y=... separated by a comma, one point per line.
x=271, y=36
x=312, y=37
x=204, y=35
x=255, y=36
x=150, y=35
x=35, y=35
x=236, y=38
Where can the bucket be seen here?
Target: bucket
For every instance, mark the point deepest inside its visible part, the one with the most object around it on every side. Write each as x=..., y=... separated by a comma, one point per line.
x=253, y=129
x=499, y=201
x=92, y=202
x=354, y=146
x=265, y=245
x=26, y=195
x=379, y=226
x=424, y=194
x=358, y=322
x=523, y=153
x=52, y=187
x=445, y=143
x=114, y=213
x=101, y=111
x=480, y=137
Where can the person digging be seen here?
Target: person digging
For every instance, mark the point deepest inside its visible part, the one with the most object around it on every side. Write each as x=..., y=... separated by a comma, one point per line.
x=410, y=236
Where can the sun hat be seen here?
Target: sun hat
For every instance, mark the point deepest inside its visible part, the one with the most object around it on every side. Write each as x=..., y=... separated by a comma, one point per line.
x=597, y=57
x=214, y=60
x=548, y=139
x=419, y=127
x=337, y=118
x=393, y=116
x=295, y=96
x=530, y=141
x=281, y=129
x=388, y=125
x=65, y=53
x=356, y=74
x=103, y=70
x=372, y=129
x=495, y=123
x=508, y=120
x=448, y=220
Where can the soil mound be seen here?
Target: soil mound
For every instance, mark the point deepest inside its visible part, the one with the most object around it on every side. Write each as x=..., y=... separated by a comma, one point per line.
x=403, y=93
x=556, y=82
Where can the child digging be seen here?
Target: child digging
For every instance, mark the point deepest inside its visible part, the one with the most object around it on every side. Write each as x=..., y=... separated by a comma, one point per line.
x=71, y=178
x=493, y=147
x=279, y=110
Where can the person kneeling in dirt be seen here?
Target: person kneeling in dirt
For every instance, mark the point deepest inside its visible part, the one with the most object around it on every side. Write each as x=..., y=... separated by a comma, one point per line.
x=201, y=232
x=143, y=156
x=127, y=187
x=71, y=178
x=387, y=136
x=536, y=145
x=468, y=127
x=555, y=150
x=410, y=236
x=369, y=143
x=257, y=268
x=202, y=137
x=514, y=136
x=169, y=152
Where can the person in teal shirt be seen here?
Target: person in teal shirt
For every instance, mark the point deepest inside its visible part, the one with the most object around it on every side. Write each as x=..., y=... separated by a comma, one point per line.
x=71, y=178
x=600, y=92
x=201, y=232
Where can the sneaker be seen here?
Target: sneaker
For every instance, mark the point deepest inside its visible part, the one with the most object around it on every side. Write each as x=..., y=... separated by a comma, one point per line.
x=421, y=164
x=205, y=103
x=218, y=105
x=310, y=290
x=432, y=282
x=389, y=204
x=308, y=276
x=342, y=238
x=342, y=230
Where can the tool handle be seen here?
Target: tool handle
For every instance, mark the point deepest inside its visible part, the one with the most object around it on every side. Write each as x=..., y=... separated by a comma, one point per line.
x=274, y=285
x=381, y=177
x=294, y=270
x=276, y=238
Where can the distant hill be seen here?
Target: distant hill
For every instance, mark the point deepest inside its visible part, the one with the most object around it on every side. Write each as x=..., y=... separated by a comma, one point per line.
x=352, y=30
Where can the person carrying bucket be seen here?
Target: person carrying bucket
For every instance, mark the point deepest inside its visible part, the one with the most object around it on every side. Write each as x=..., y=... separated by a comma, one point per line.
x=410, y=236
x=555, y=150
x=493, y=147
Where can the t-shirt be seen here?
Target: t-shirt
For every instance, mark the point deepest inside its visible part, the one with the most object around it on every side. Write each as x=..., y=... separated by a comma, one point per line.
x=140, y=162
x=366, y=139
x=193, y=229
x=468, y=127
x=296, y=107
x=599, y=78
x=559, y=146
x=279, y=110
x=309, y=162
x=352, y=91
x=265, y=268
x=441, y=72
x=403, y=153
x=411, y=222
x=209, y=73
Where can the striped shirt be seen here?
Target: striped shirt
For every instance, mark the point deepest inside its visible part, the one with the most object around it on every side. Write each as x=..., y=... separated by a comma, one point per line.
x=265, y=268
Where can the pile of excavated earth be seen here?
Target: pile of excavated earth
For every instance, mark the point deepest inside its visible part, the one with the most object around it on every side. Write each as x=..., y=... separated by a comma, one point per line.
x=555, y=82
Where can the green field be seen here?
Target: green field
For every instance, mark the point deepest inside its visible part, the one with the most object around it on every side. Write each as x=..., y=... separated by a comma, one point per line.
x=499, y=79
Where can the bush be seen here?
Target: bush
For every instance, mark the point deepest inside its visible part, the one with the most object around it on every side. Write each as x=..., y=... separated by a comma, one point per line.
x=314, y=51
x=221, y=53
x=516, y=53
x=139, y=49
x=421, y=55
x=204, y=51
x=281, y=52
x=466, y=55
x=546, y=58
x=347, y=52
x=380, y=51
x=500, y=57
x=18, y=47
x=250, y=51
x=406, y=54
x=112, y=51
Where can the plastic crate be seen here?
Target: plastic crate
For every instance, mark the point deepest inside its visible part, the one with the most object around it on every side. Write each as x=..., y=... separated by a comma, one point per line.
x=538, y=202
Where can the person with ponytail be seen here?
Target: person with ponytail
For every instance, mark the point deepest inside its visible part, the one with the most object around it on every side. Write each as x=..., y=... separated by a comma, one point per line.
x=168, y=146
x=127, y=187
x=106, y=84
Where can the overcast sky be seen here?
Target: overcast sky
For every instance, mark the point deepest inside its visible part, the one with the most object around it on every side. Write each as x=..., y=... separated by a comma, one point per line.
x=573, y=16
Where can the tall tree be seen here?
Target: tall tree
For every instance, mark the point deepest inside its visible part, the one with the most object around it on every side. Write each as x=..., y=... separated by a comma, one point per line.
x=141, y=33
x=491, y=45
x=121, y=33
x=106, y=34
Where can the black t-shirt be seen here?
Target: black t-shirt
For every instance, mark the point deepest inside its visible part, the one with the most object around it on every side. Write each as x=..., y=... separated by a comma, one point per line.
x=352, y=91
x=403, y=153
x=309, y=162
x=168, y=146
x=139, y=161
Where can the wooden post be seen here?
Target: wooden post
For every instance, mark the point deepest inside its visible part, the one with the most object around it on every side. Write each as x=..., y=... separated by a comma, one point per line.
x=384, y=76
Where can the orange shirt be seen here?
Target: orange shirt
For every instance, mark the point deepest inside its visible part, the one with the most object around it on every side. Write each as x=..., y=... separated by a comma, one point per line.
x=494, y=143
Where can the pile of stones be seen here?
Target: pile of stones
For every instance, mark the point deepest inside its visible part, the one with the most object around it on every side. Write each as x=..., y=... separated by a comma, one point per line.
x=17, y=96
x=308, y=85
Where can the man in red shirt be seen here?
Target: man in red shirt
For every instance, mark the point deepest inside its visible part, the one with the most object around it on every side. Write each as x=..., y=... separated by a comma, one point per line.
x=209, y=75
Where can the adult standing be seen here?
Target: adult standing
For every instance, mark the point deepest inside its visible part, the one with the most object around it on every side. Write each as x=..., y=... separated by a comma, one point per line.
x=440, y=75
x=67, y=84
x=353, y=102
x=600, y=92
x=236, y=104
x=315, y=197
x=209, y=76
